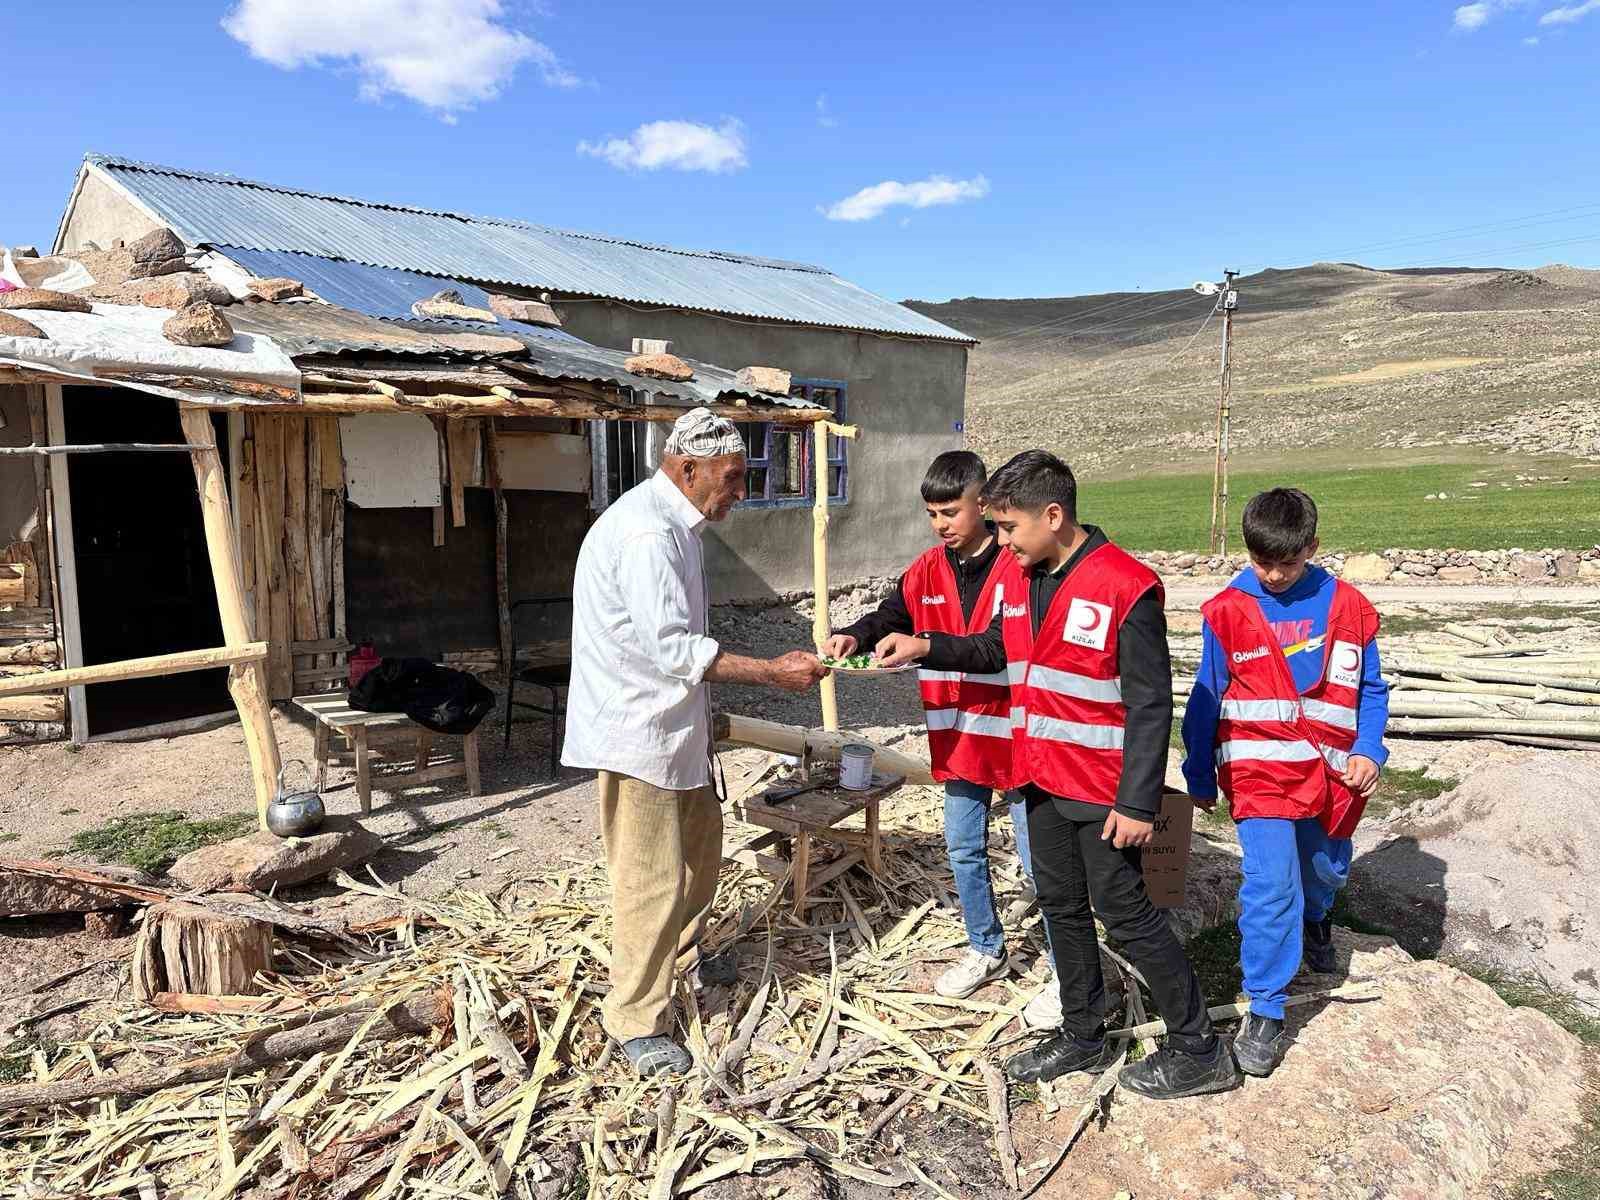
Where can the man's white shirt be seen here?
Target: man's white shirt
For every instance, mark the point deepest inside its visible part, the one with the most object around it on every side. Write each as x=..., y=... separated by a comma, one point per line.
x=638, y=703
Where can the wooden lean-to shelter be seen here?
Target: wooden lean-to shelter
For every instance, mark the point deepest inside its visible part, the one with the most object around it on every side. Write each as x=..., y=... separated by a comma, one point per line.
x=310, y=406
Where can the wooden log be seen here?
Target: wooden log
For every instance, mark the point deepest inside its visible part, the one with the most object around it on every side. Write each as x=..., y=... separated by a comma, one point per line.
x=39, y=653
x=279, y=630
x=1489, y=726
x=332, y=453
x=461, y=443
x=336, y=549
x=296, y=547
x=820, y=627
x=572, y=408
x=1483, y=674
x=417, y=1015
x=13, y=583
x=246, y=681
x=249, y=507
x=790, y=739
x=185, y=948
x=133, y=668
x=502, y=574
x=44, y=528
x=32, y=708
x=316, y=532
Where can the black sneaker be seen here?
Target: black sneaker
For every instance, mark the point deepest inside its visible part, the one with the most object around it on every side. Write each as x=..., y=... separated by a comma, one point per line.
x=1170, y=1074
x=1318, y=945
x=1259, y=1045
x=1061, y=1055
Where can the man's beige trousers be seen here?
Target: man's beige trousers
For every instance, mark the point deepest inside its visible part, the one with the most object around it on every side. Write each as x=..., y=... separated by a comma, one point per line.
x=663, y=851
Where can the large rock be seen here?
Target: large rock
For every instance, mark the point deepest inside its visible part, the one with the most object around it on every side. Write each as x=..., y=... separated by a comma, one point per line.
x=200, y=324
x=1500, y=868
x=1435, y=1090
x=174, y=291
x=159, y=246
x=1567, y=565
x=529, y=312
x=1365, y=568
x=260, y=860
x=277, y=288
x=659, y=366
x=12, y=325
x=1528, y=566
x=27, y=896
x=774, y=381
x=449, y=305
x=43, y=298
x=1421, y=570
x=1465, y=574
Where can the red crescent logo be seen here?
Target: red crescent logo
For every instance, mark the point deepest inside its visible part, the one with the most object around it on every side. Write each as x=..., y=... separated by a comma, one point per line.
x=1089, y=618
x=1350, y=659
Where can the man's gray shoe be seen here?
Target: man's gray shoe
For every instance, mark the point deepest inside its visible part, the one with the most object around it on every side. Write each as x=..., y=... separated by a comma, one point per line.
x=1318, y=947
x=716, y=970
x=657, y=1056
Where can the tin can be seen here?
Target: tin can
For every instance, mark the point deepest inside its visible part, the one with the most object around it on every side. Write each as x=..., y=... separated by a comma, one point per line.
x=855, y=767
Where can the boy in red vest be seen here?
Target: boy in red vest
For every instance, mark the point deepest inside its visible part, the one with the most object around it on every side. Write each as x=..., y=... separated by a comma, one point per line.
x=955, y=588
x=1287, y=715
x=1083, y=639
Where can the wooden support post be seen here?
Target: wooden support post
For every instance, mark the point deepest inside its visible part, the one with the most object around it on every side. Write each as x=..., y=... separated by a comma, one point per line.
x=246, y=681
x=820, y=627
x=131, y=668
x=502, y=578
x=278, y=619
x=363, y=768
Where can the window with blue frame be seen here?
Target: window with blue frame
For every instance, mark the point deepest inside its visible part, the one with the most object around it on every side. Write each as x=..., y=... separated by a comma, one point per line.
x=779, y=465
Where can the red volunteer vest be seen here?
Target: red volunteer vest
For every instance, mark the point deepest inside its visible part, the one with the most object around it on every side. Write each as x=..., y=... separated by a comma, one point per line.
x=968, y=716
x=1066, y=691
x=1281, y=754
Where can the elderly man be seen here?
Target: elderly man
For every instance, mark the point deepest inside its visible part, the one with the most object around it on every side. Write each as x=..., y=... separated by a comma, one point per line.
x=639, y=713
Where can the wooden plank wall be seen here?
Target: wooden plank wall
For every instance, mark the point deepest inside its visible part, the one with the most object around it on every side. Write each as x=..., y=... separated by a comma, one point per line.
x=29, y=634
x=291, y=513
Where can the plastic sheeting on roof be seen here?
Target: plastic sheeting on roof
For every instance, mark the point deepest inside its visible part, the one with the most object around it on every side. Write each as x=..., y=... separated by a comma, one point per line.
x=214, y=209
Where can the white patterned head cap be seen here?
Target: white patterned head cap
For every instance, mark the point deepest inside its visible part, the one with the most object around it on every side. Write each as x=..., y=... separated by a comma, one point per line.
x=700, y=433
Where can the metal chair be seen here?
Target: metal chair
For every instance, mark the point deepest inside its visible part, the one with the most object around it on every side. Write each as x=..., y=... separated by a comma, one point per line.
x=552, y=677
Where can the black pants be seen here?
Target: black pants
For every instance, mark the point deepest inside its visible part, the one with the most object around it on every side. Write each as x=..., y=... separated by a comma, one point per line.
x=1072, y=869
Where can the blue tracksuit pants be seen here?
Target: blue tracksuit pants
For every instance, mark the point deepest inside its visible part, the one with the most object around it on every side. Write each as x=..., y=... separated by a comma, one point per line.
x=1292, y=869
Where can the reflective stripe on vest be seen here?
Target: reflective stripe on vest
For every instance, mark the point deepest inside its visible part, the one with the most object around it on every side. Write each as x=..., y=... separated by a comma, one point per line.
x=1339, y=760
x=1340, y=716
x=1285, y=711
x=1096, y=737
x=1289, y=750
x=1019, y=717
x=1079, y=687
x=982, y=724
x=1016, y=672
x=938, y=676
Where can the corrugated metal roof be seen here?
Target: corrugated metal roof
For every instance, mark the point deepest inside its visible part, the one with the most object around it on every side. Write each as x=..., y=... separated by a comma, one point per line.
x=212, y=209
x=377, y=291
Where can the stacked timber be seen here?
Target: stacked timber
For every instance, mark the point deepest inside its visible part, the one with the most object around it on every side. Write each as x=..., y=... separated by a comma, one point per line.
x=28, y=645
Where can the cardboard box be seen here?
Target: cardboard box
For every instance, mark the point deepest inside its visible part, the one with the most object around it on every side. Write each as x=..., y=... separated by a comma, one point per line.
x=1166, y=859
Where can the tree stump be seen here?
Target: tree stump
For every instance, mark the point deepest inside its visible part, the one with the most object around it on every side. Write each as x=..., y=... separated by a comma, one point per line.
x=185, y=948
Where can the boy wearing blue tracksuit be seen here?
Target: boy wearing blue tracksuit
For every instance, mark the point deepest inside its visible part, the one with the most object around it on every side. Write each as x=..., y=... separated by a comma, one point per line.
x=1287, y=717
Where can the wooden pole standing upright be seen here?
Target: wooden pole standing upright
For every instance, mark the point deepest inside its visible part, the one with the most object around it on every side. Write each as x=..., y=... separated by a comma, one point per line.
x=1228, y=299
x=247, y=681
x=820, y=628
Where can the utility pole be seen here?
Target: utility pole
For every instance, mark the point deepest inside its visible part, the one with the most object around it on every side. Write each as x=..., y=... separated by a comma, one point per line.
x=1227, y=301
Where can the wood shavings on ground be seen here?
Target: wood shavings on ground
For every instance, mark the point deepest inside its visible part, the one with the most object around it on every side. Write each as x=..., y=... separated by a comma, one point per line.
x=469, y=1061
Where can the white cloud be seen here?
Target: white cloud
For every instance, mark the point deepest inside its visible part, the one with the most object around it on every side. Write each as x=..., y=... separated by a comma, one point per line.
x=446, y=55
x=1570, y=13
x=825, y=118
x=1530, y=41
x=873, y=201
x=674, y=145
x=1470, y=17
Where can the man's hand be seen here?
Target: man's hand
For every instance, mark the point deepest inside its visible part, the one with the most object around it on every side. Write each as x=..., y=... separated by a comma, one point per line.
x=1124, y=831
x=1361, y=775
x=840, y=645
x=1205, y=803
x=900, y=648
x=795, y=671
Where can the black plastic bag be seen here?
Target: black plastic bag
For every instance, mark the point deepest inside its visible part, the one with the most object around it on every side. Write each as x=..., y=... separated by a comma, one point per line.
x=435, y=697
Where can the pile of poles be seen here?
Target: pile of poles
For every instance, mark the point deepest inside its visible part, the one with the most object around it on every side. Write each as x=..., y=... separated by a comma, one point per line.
x=1496, y=687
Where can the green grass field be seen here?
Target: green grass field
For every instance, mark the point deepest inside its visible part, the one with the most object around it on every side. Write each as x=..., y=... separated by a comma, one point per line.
x=1371, y=507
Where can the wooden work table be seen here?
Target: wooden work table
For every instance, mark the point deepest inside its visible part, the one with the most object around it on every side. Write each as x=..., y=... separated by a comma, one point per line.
x=795, y=812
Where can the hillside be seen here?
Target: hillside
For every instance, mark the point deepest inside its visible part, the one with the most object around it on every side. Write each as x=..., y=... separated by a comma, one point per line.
x=1337, y=358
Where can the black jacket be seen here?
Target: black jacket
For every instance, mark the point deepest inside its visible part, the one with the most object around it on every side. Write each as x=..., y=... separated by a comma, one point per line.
x=892, y=616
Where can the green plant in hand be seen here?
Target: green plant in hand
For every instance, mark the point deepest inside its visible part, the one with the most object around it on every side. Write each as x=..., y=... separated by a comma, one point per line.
x=858, y=662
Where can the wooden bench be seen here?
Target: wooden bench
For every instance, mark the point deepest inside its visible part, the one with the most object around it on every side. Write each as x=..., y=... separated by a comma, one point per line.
x=333, y=714
x=795, y=813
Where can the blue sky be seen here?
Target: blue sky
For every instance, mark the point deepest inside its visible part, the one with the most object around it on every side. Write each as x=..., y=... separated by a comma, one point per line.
x=928, y=151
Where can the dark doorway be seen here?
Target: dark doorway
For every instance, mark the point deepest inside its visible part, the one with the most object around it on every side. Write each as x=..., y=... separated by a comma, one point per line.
x=144, y=576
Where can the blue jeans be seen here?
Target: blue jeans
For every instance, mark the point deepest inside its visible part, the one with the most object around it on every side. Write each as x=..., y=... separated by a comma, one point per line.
x=966, y=838
x=1292, y=870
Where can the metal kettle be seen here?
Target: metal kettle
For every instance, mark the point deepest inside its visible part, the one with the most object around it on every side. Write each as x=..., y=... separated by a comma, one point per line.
x=295, y=814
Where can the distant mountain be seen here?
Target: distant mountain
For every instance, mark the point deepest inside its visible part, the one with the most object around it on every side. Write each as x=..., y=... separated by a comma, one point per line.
x=1334, y=355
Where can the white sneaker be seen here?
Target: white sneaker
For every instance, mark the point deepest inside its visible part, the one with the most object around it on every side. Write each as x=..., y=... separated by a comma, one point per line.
x=971, y=973
x=1044, y=1010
